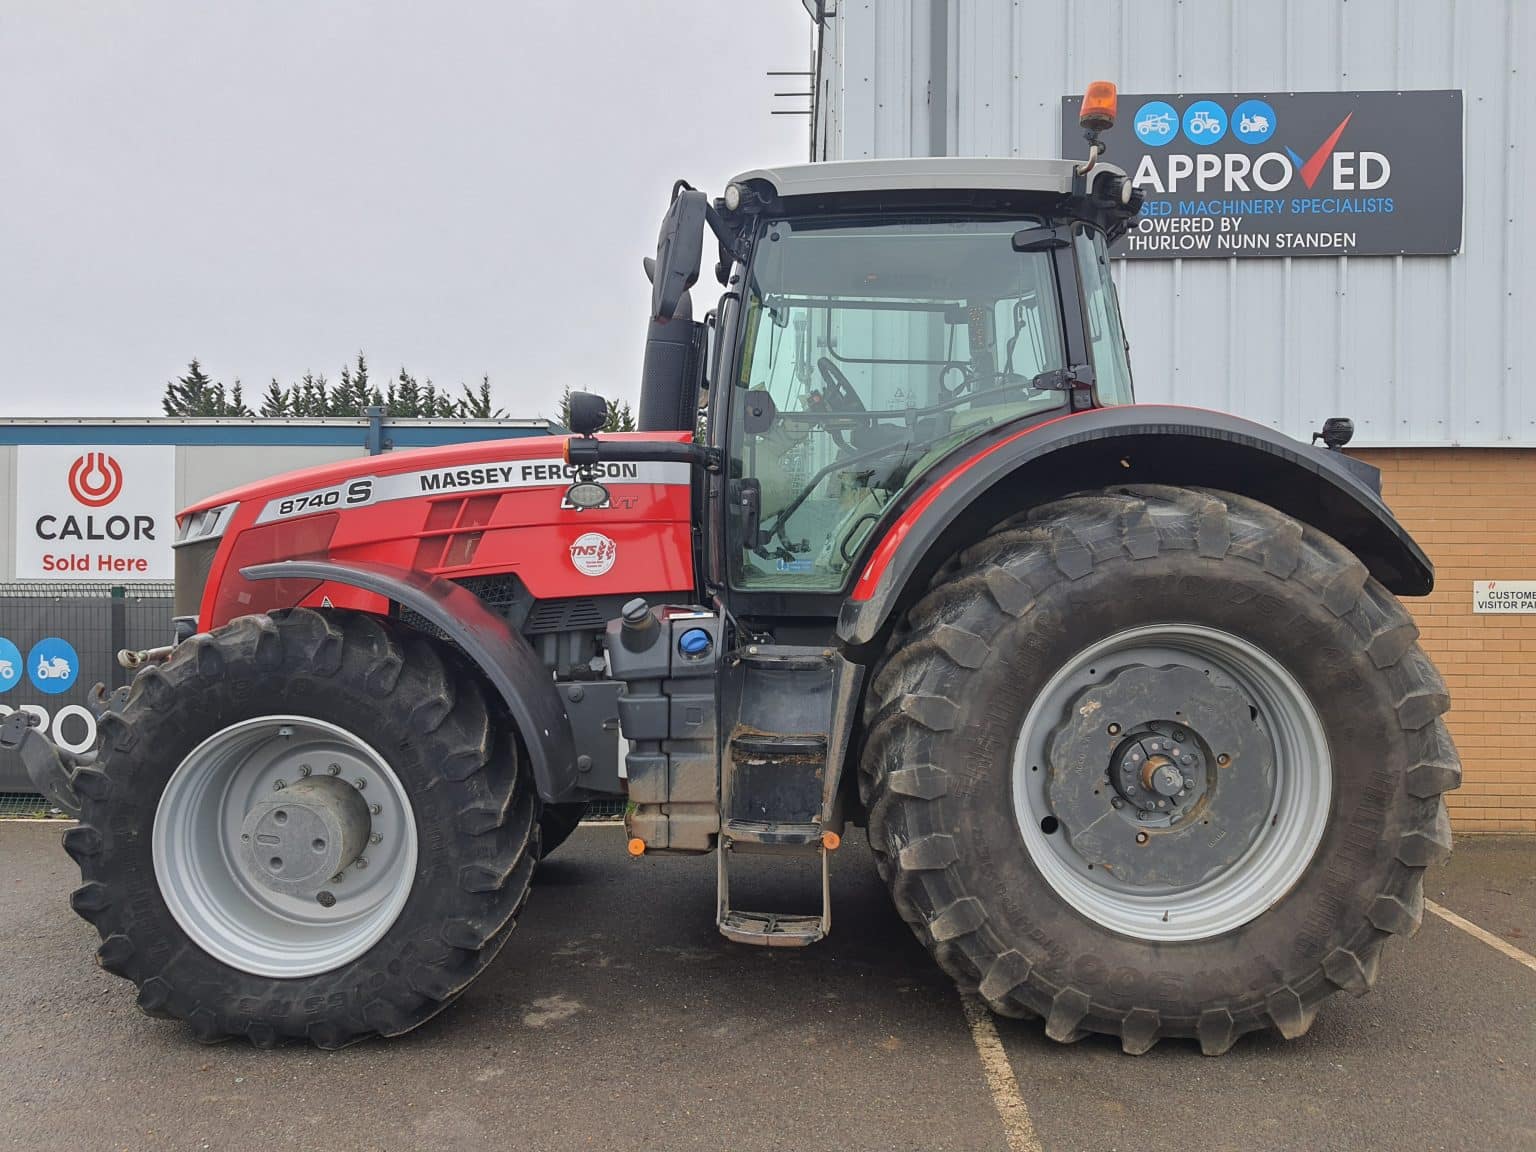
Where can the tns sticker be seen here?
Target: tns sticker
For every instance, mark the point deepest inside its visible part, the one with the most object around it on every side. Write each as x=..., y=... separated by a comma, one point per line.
x=593, y=553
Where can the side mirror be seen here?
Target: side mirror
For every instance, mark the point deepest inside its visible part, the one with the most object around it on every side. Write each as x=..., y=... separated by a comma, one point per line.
x=679, y=251
x=589, y=412
x=1043, y=239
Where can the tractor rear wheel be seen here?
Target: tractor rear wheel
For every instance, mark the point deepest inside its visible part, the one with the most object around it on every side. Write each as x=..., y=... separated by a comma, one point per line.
x=304, y=826
x=1158, y=762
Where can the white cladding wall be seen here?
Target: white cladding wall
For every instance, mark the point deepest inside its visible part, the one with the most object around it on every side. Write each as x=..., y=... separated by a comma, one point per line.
x=1419, y=350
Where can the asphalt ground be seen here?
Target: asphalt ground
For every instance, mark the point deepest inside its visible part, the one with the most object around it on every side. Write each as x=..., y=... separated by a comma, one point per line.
x=618, y=1018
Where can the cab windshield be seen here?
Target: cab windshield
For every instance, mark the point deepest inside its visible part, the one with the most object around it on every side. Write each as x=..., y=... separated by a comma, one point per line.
x=870, y=350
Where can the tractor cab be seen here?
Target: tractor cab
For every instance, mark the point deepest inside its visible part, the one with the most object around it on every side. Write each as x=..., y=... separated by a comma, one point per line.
x=878, y=318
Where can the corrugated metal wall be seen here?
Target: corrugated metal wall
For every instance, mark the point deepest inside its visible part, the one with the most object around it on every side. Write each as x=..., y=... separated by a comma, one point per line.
x=1420, y=350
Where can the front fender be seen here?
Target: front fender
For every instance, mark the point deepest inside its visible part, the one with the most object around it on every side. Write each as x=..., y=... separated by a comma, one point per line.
x=502, y=654
x=1129, y=444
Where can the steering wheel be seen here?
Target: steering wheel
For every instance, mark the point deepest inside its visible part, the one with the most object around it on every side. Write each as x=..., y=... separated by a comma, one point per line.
x=840, y=394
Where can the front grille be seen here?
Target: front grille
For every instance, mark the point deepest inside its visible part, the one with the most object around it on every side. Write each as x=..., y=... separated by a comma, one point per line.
x=192, y=563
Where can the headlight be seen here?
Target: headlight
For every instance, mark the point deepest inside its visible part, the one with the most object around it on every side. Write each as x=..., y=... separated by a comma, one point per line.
x=209, y=524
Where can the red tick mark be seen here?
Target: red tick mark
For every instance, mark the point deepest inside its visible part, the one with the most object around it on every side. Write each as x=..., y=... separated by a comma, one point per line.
x=1314, y=165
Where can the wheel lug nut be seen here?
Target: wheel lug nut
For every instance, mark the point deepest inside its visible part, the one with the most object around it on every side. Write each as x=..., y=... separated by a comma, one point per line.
x=359, y=783
x=333, y=769
x=279, y=785
x=375, y=839
x=1116, y=802
x=375, y=808
x=305, y=769
x=362, y=861
x=1142, y=837
x=1179, y=736
x=338, y=878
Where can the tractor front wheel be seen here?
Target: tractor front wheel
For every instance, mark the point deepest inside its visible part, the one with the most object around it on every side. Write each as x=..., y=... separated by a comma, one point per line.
x=304, y=826
x=1158, y=762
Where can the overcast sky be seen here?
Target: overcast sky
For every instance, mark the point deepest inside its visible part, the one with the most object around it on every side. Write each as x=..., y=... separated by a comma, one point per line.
x=459, y=187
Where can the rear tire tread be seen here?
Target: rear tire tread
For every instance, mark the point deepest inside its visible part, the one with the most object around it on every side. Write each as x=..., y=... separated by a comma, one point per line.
x=1000, y=576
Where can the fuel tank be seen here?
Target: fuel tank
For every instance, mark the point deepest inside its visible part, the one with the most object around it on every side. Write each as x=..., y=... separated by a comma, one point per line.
x=482, y=509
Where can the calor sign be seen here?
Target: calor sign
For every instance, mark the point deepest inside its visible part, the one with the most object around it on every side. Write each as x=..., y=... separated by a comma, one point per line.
x=94, y=513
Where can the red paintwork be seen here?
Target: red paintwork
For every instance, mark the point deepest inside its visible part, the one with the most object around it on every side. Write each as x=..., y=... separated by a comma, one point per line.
x=891, y=542
x=456, y=534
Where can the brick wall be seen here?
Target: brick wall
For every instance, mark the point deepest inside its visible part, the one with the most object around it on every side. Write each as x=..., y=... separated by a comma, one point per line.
x=1474, y=511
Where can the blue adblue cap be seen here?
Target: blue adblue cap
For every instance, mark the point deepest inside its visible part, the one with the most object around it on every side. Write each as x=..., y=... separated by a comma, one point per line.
x=694, y=642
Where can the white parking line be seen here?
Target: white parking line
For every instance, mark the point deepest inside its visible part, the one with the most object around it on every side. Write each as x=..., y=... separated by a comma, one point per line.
x=1010, y=1105
x=1488, y=938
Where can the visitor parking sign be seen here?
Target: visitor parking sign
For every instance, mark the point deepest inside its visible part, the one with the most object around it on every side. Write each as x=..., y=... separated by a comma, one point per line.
x=1516, y=596
x=1287, y=173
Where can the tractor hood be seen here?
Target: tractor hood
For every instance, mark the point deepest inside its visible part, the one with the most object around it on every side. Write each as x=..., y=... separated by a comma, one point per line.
x=488, y=509
x=546, y=451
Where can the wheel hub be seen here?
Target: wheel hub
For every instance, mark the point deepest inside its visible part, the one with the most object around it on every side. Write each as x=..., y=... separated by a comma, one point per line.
x=1134, y=782
x=1251, y=802
x=1159, y=772
x=296, y=840
x=285, y=845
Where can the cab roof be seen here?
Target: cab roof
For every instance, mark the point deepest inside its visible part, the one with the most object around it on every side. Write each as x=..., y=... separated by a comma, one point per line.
x=916, y=174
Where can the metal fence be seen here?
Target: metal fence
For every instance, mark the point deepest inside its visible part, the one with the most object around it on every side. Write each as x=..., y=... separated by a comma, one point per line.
x=56, y=642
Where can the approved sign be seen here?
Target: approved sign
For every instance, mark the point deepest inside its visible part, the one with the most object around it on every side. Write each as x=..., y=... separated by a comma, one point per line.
x=1255, y=174
x=1504, y=596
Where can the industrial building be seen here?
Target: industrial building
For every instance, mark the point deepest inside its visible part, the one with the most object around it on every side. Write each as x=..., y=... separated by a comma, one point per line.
x=1228, y=113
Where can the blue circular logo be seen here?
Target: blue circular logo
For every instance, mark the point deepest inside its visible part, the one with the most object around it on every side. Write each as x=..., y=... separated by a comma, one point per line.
x=1156, y=123
x=1205, y=122
x=53, y=666
x=1253, y=121
x=10, y=665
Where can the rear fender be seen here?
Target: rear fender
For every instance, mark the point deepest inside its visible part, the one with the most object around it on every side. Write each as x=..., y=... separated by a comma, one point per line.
x=1130, y=444
x=504, y=656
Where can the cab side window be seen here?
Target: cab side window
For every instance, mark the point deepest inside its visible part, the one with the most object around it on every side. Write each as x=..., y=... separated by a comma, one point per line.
x=1101, y=314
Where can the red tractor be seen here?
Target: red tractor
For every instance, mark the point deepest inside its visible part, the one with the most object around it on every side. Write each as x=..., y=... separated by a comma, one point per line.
x=1143, y=740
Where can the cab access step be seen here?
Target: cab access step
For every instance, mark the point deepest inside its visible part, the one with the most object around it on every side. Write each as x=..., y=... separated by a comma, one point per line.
x=779, y=777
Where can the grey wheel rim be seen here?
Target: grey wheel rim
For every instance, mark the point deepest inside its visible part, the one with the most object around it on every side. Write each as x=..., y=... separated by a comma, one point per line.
x=1181, y=826
x=284, y=846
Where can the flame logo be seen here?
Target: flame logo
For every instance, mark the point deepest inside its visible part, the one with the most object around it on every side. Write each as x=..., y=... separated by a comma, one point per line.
x=95, y=479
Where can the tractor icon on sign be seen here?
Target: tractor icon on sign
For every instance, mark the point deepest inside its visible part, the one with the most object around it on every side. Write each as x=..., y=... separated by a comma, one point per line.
x=7, y=670
x=1258, y=122
x=1155, y=124
x=1204, y=124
